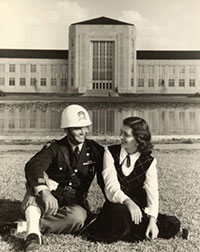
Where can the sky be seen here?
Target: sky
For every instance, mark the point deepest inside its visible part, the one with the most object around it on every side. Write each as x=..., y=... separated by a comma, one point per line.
x=44, y=24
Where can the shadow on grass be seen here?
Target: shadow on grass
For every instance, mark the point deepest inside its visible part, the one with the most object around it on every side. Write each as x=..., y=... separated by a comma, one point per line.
x=15, y=242
x=10, y=210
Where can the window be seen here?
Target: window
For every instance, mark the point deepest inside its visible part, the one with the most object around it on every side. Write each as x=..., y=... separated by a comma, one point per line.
x=182, y=69
x=141, y=69
x=22, y=82
x=33, y=82
x=171, y=69
x=191, y=69
x=132, y=82
x=2, y=81
x=44, y=68
x=192, y=82
x=54, y=68
x=53, y=82
x=171, y=83
x=2, y=68
x=102, y=61
x=72, y=42
x=63, y=82
x=64, y=68
x=43, y=81
x=161, y=82
x=33, y=68
x=181, y=83
x=151, y=82
x=151, y=69
x=23, y=68
x=140, y=82
x=12, y=82
x=161, y=70
x=12, y=68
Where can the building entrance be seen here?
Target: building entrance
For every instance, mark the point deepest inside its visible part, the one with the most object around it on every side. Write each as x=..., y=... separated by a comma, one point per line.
x=103, y=64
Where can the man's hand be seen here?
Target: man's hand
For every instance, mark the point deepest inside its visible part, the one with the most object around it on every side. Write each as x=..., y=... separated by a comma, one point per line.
x=152, y=229
x=50, y=202
x=136, y=213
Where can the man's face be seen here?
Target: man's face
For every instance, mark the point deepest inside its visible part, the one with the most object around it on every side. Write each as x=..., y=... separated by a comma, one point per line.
x=77, y=135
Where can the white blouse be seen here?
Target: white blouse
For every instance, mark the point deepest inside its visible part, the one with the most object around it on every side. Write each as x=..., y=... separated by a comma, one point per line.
x=112, y=186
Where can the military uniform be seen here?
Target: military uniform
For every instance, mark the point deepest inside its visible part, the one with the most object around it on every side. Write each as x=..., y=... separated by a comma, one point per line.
x=73, y=182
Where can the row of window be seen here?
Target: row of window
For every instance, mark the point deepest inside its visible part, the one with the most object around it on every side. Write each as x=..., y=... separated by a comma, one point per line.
x=33, y=68
x=33, y=82
x=163, y=68
x=161, y=83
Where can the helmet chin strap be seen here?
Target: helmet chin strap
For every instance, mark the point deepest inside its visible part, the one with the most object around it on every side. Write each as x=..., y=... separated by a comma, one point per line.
x=71, y=138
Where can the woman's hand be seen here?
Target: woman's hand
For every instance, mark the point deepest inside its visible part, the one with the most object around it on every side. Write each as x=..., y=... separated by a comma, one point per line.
x=152, y=229
x=136, y=213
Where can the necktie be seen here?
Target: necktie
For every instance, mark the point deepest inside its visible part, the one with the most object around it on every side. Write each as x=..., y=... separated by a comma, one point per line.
x=75, y=156
x=128, y=160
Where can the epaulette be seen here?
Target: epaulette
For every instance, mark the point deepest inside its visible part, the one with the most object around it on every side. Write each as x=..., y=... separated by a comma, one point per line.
x=48, y=144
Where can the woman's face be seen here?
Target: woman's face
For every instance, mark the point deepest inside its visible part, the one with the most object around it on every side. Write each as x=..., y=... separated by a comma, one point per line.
x=128, y=140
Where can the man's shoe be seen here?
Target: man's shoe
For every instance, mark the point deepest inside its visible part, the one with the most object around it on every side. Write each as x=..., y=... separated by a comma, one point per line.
x=32, y=242
x=185, y=233
x=7, y=227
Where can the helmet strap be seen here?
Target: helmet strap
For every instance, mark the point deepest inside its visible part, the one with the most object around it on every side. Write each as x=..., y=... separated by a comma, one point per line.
x=71, y=138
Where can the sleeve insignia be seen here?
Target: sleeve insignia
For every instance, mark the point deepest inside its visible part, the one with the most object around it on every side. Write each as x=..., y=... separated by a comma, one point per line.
x=47, y=145
x=41, y=180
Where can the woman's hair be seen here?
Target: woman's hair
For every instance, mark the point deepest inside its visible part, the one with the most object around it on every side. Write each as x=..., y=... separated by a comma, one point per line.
x=141, y=132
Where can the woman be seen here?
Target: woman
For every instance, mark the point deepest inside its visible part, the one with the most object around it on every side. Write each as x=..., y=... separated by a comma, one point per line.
x=131, y=187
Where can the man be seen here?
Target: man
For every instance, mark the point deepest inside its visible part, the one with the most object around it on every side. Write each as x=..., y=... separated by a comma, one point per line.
x=58, y=178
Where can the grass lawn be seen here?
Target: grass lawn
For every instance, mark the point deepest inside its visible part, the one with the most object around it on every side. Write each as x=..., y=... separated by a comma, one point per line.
x=179, y=174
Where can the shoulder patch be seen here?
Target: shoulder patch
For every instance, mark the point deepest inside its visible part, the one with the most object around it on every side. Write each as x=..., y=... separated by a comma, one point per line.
x=41, y=180
x=48, y=144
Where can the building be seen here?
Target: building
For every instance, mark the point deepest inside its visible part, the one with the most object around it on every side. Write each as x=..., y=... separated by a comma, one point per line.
x=33, y=71
x=102, y=58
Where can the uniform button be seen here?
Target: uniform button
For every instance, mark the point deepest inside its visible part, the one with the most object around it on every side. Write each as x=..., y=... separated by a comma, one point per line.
x=60, y=168
x=87, y=154
x=70, y=183
x=75, y=170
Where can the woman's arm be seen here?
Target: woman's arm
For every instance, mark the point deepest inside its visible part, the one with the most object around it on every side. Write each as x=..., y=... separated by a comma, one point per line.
x=112, y=186
x=113, y=190
x=151, y=187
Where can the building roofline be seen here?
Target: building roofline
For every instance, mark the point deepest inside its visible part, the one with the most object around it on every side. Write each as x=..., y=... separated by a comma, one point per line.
x=63, y=54
x=168, y=54
x=102, y=21
x=34, y=53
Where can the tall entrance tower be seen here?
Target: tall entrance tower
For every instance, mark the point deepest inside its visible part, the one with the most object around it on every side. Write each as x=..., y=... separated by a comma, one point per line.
x=102, y=56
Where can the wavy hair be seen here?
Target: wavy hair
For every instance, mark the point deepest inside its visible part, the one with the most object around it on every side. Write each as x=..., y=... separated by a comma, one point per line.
x=141, y=133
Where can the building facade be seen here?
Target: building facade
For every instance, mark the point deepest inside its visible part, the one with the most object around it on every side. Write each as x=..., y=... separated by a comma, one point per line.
x=33, y=71
x=102, y=56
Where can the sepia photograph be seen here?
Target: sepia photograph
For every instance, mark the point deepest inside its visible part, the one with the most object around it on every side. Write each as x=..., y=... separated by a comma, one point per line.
x=99, y=125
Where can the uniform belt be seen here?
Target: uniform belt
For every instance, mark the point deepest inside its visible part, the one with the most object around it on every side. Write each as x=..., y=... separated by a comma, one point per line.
x=61, y=189
x=68, y=189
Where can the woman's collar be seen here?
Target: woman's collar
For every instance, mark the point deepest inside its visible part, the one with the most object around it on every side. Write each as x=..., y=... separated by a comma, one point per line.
x=124, y=153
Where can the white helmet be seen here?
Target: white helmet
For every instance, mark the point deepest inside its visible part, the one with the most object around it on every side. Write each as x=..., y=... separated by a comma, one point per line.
x=75, y=116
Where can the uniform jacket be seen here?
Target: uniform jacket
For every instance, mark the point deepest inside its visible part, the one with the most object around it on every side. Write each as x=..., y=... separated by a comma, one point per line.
x=54, y=159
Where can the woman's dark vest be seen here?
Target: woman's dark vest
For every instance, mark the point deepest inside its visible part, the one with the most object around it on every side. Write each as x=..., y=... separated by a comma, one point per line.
x=132, y=185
